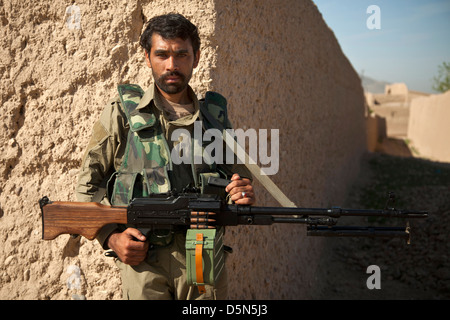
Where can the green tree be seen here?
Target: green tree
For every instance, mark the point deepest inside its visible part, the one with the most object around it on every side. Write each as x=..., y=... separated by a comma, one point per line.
x=441, y=83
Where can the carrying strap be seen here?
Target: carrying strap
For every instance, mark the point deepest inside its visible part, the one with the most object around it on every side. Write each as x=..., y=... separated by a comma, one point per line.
x=199, y=263
x=267, y=183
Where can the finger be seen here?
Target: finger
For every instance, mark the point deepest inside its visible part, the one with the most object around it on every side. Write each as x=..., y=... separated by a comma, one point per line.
x=235, y=177
x=240, y=189
x=245, y=197
x=242, y=195
x=245, y=201
x=232, y=184
x=137, y=247
x=135, y=233
x=135, y=258
x=136, y=241
x=237, y=183
x=129, y=254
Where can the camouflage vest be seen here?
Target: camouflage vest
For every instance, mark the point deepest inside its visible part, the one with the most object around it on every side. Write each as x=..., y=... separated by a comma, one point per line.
x=146, y=164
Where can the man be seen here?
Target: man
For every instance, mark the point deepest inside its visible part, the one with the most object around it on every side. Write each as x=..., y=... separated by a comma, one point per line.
x=152, y=266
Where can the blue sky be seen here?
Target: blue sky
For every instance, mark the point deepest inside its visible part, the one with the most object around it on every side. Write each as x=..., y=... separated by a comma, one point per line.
x=413, y=40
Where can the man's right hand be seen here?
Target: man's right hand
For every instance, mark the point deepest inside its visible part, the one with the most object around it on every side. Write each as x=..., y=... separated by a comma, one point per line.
x=129, y=245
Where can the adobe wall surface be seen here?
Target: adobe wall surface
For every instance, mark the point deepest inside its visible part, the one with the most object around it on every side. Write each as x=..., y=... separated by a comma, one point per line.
x=428, y=128
x=284, y=70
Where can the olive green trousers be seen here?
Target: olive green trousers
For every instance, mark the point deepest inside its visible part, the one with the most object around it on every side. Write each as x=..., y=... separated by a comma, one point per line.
x=162, y=276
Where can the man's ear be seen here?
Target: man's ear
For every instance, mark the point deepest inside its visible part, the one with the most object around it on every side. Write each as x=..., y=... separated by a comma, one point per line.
x=147, y=59
x=196, y=59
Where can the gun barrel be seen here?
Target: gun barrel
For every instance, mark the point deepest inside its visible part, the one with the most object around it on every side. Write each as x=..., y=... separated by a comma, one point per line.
x=390, y=212
x=351, y=231
x=334, y=212
x=273, y=211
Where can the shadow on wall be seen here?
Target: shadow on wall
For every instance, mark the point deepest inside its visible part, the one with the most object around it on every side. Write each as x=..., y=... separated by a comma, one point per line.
x=309, y=91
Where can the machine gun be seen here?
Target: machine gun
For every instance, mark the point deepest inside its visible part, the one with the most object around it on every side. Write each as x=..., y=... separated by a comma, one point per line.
x=203, y=216
x=197, y=211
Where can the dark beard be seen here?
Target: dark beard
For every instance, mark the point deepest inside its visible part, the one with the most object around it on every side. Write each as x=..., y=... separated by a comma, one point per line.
x=172, y=88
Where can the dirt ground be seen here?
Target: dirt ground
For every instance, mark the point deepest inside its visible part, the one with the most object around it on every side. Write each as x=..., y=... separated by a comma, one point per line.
x=419, y=270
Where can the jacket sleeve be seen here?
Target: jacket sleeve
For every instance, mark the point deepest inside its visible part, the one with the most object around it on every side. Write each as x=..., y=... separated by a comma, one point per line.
x=103, y=155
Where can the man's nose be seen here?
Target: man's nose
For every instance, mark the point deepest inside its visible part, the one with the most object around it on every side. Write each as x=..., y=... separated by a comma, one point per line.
x=172, y=64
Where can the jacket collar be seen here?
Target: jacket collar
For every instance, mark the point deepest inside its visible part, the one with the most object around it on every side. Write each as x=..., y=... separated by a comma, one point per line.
x=152, y=94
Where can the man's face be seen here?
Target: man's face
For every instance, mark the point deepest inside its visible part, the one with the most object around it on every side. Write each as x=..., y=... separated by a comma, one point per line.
x=172, y=62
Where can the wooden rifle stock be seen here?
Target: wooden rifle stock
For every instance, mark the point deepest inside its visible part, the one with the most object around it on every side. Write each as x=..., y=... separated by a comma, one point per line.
x=83, y=218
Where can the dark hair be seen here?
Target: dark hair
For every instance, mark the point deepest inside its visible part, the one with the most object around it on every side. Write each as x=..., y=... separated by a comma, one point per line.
x=170, y=26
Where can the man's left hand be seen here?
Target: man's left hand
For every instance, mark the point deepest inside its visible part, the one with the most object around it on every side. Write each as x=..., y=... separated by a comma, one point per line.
x=241, y=190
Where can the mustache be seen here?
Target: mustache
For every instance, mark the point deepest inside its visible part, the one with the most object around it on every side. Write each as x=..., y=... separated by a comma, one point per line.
x=171, y=74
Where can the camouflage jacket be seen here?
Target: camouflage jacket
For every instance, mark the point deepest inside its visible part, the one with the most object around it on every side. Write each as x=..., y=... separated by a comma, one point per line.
x=108, y=148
